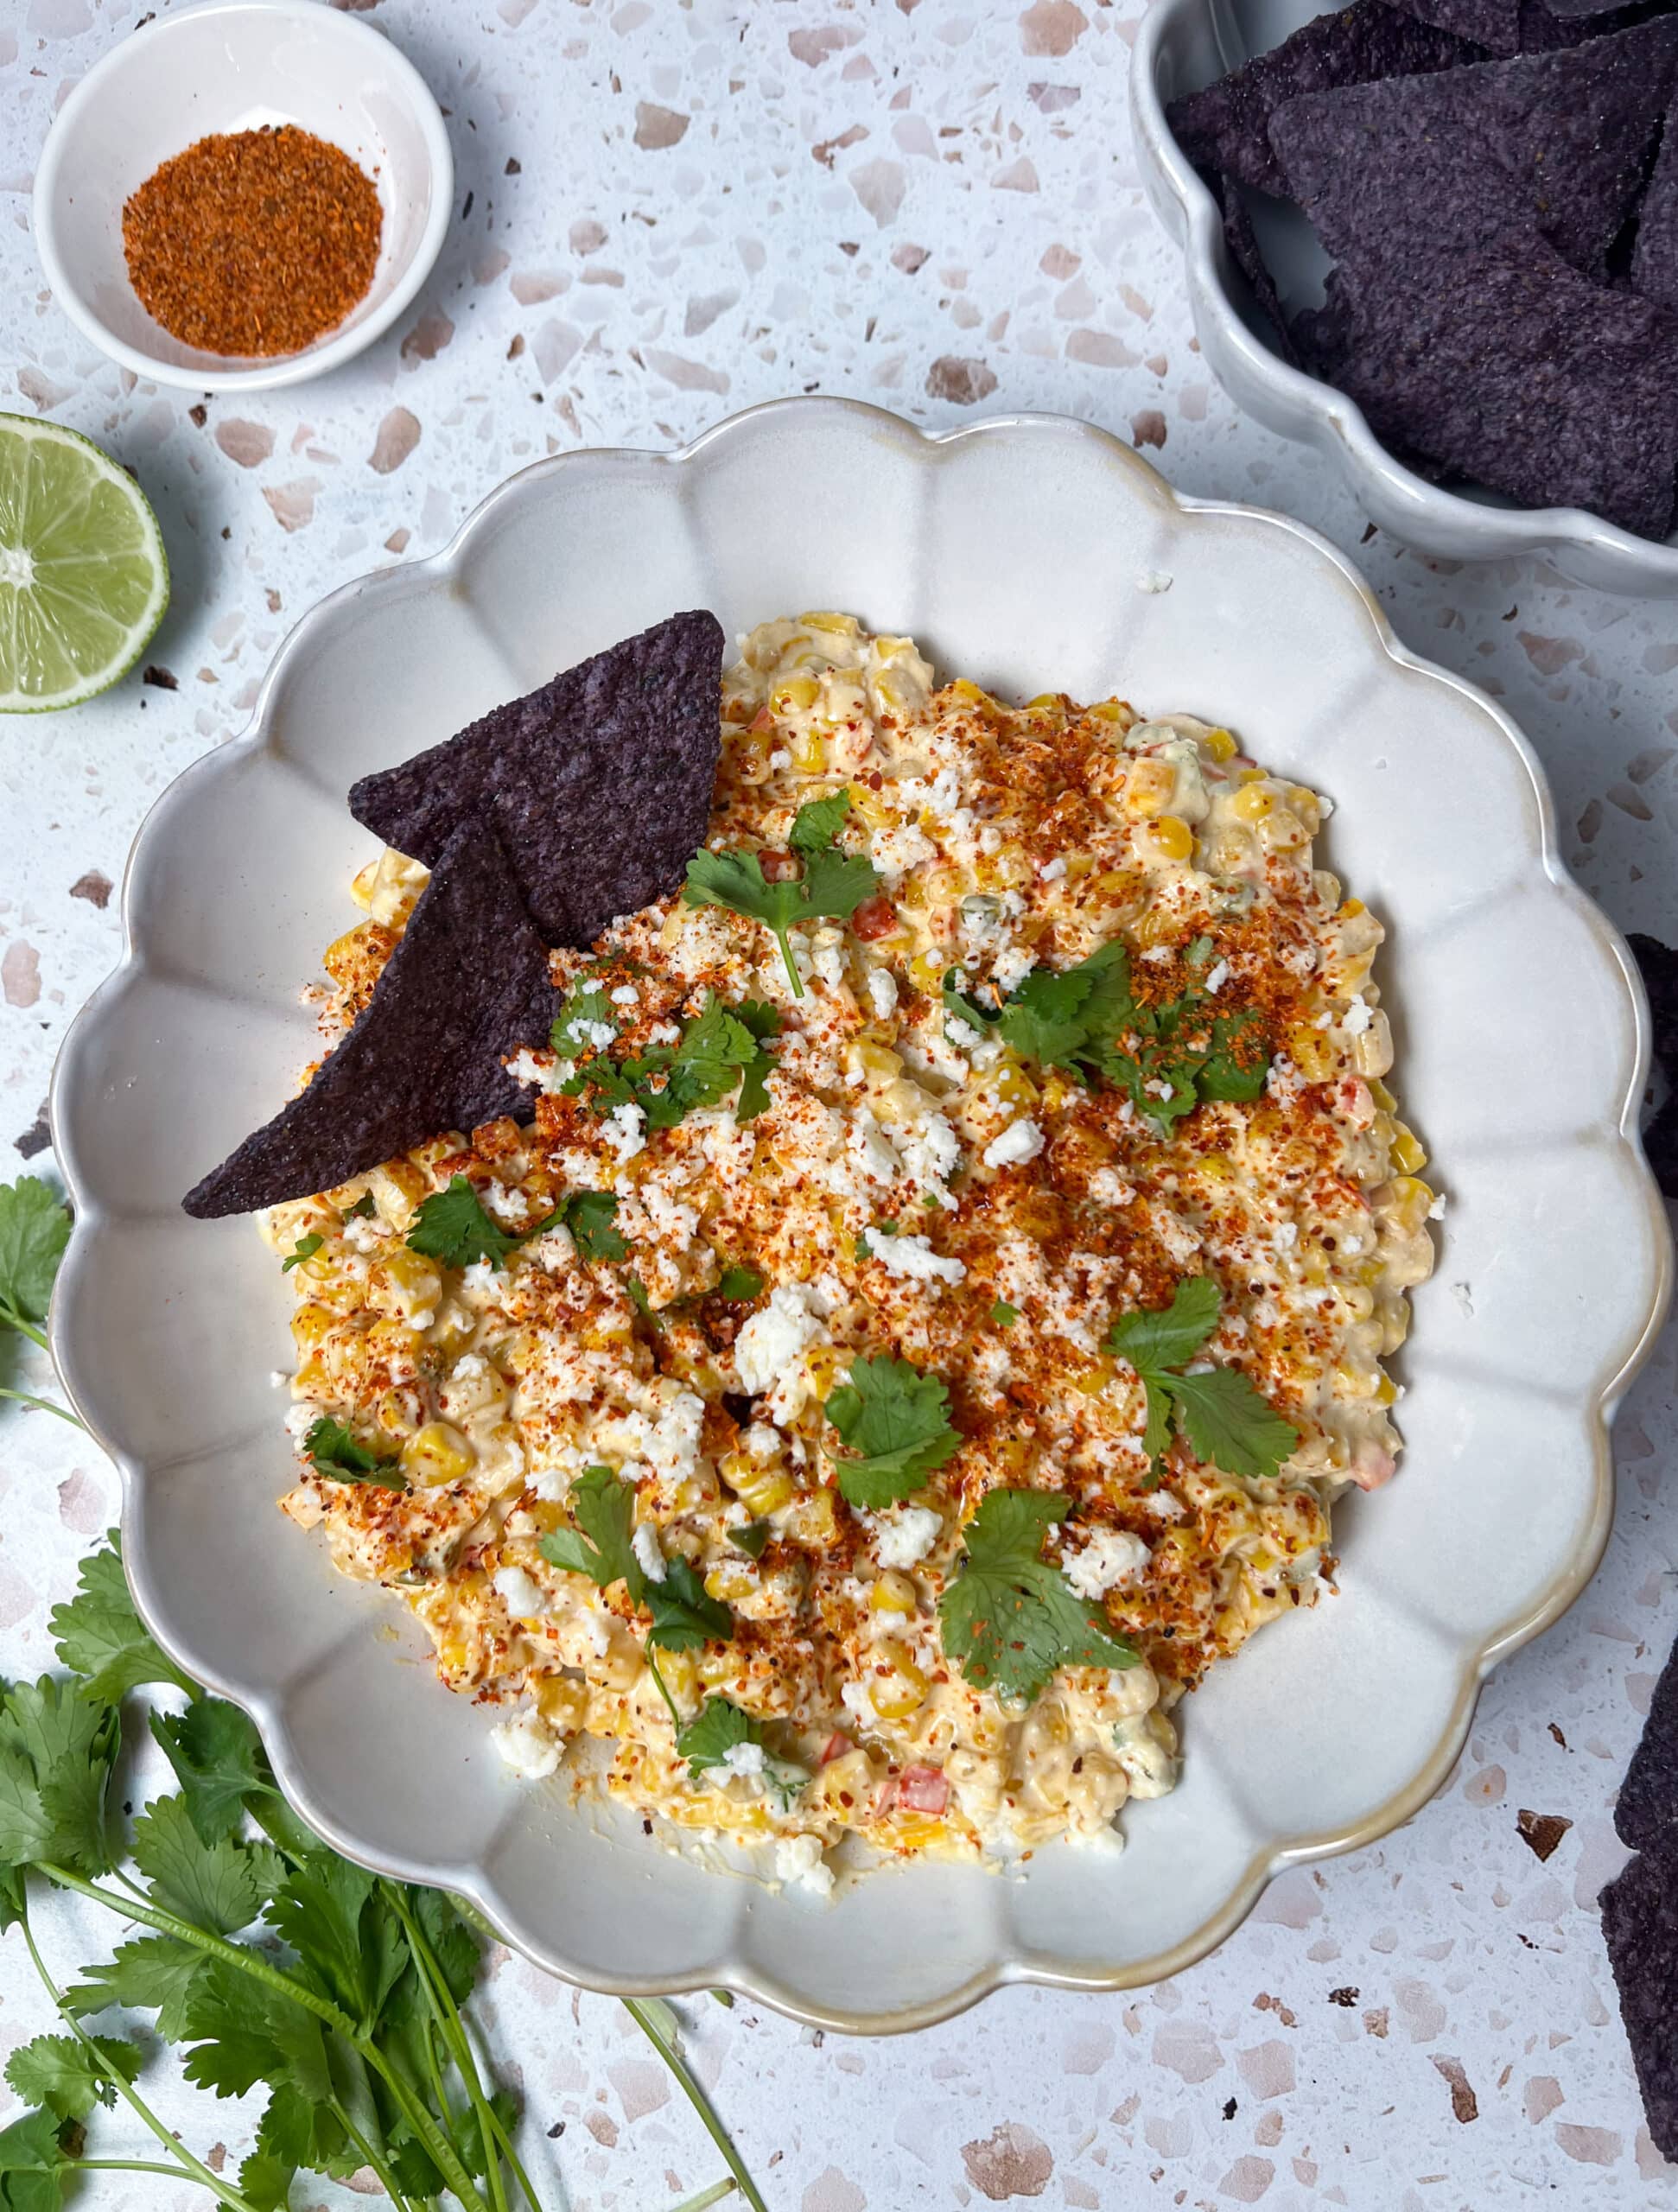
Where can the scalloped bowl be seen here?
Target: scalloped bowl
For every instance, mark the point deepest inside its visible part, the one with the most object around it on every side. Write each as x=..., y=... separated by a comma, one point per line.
x=1184, y=44
x=1024, y=552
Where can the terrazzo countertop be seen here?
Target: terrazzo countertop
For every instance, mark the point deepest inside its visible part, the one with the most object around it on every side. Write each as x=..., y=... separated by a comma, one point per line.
x=667, y=211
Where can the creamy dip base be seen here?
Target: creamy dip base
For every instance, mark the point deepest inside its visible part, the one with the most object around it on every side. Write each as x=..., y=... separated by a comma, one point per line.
x=913, y=1187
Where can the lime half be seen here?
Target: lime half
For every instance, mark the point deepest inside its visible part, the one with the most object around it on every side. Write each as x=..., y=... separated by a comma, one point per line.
x=84, y=579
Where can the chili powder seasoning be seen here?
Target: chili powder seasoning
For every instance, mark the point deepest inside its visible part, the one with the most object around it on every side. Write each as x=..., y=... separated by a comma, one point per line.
x=252, y=241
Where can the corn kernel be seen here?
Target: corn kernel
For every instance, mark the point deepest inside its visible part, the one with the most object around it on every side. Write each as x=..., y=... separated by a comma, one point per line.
x=1108, y=710
x=1218, y=1165
x=1252, y=802
x=1386, y=1391
x=1352, y=908
x=309, y=1325
x=926, y=969
x=764, y=1489
x=1408, y=1151
x=842, y=626
x=796, y=696
x=814, y=1520
x=1311, y=1052
x=1170, y=839
x=891, y=1593
x=1219, y=746
x=437, y=1454
x=896, y=1694
x=845, y=1789
x=810, y=753
x=1148, y=792
x=970, y=694
x=560, y=1701
x=681, y=1673
x=730, y=1580
x=917, y=1831
x=1283, y=831
x=1405, y=1201
x=361, y=884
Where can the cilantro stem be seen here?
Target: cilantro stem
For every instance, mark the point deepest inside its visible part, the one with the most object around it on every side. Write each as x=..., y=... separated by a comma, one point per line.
x=11, y=1319
x=193, y=2168
x=707, y=2198
x=246, y=1962
x=41, y=1405
x=786, y=943
x=371, y=2158
x=441, y=2001
x=130, y=2166
x=646, y=2020
x=653, y=1669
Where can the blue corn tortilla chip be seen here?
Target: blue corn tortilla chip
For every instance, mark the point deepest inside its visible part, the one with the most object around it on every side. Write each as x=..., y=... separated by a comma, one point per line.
x=1646, y=1815
x=1433, y=166
x=466, y=986
x=1506, y=366
x=1494, y=24
x=1225, y=126
x=1654, y=270
x=599, y=783
x=1640, y=1929
x=1242, y=241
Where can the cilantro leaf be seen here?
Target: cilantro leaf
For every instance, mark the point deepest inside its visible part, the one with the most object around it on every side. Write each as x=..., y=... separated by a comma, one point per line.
x=723, y=1045
x=1230, y=1425
x=1004, y=1314
x=585, y=1007
x=58, y=2071
x=247, y=2032
x=219, y=1761
x=738, y=1284
x=684, y=1615
x=832, y=888
x=896, y=1421
x=762, y=1023
x=35, y=1228
x=602, y=1545
x=452, y=1226
x=350, y=1946
x=708, y=1739
x=155, y=1973
x=34, y=2171
x=98, y=1634
x=589, y=1215
x=1009, y=1618
x=221, y=1885
x=304, y=1249
x=56, y=1751
x=363, y=1209
x=332, y=1450
x=1222, y=1416
x=750, y=1538
x=816, y=825
x=1232, y=1068
x=1170, y=1338
x=640, y=1299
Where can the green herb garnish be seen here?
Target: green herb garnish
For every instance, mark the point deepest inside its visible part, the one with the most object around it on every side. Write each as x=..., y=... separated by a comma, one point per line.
x=453, y=1226
x=1222, y=1417
x=722, y=1046
x=751, y=1538
x=896, y=1423
x=1009, y=1618
x=602, y=1545
x=642, y=1303
x=362, y=1210
x=333, y=1451
x=738, y=1284
x=589, y=1215
x=832, y=887
x=1004, y=1314
x=304, y=1249
x=708, y=1739
x=1167, y=1059
x=684, y=1615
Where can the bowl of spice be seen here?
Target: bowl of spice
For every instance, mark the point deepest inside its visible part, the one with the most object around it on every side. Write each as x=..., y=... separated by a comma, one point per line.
x=243, y=194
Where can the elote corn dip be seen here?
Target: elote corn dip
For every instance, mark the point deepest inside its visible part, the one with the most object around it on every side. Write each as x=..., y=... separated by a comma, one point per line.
x=935, y=1298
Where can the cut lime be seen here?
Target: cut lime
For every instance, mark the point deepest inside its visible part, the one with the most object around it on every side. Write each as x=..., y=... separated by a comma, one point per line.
x=84, y=579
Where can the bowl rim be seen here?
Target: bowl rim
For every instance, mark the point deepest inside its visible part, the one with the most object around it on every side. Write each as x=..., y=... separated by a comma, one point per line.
x=288, y=368
x=1593, y=1412
x=1313, y=408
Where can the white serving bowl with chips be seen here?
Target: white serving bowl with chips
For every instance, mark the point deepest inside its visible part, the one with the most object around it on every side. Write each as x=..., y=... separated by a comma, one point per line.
x=1182, y=45
x=1026, y=552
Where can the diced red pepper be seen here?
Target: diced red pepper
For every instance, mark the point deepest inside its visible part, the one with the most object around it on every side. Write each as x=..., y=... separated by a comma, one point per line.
x=836, y=1747
x=874, y=917
x=923, y=1789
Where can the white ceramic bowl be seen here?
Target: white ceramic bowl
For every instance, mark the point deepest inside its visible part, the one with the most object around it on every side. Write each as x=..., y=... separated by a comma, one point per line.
x=1184, y=44
x=235, y=65
x=1014, y=550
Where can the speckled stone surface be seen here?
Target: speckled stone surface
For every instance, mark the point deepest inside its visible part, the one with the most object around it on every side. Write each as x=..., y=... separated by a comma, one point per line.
x=667, y=211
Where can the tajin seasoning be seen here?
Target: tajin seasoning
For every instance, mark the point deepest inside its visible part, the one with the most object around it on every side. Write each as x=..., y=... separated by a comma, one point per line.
x=252, y=241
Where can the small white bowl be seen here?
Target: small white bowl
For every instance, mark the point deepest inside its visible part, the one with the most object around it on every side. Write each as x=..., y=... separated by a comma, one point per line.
x=235, y=65
x=1184, y=44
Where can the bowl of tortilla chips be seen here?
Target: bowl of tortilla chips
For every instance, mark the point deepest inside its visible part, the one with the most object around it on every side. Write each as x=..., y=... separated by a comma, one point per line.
x=1438, y=242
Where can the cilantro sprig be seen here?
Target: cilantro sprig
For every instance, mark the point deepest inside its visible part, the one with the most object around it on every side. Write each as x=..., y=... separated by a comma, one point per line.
x=304, y=1249
x=1220, y=1414
x=1166, y=1058
x=832, y=885
x=333, y=1451
x=895, y=1422
x=453, y=1226
x=1009, y=1618
x=714, y=1732
x=602, y=1547
x=723, y=1045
